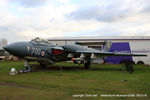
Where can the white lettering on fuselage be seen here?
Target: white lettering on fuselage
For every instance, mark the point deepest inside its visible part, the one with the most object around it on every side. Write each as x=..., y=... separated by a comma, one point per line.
x=36, y=51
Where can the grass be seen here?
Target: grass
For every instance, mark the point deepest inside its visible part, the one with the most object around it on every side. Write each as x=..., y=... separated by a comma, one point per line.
x=53, y=84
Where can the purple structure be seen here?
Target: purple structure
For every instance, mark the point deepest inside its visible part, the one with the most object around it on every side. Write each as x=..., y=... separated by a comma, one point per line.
x=123, y=47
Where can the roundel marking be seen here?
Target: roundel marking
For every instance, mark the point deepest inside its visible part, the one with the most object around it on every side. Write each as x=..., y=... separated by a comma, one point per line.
x=43, y=53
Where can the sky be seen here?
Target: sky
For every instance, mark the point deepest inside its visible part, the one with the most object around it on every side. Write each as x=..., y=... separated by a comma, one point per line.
x=22, y=20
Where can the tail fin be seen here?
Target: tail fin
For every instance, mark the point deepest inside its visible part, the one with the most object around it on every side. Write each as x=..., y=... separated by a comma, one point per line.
x=107, y=46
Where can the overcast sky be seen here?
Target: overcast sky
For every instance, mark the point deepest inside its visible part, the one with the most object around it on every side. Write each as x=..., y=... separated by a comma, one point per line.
x=27, y=19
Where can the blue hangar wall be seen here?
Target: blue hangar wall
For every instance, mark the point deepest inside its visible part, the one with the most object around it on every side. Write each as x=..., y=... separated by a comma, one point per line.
x=123, y=47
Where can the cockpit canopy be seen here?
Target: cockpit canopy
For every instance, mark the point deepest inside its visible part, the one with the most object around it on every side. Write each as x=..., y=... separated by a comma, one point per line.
x=40, y=41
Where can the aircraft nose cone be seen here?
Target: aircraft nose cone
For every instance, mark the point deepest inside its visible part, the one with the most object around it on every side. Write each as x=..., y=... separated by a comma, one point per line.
x=7, y=48
x=16, y=49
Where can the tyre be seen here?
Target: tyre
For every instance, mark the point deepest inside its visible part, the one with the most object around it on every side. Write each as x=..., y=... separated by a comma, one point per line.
x=87, y=65
x=42, y=64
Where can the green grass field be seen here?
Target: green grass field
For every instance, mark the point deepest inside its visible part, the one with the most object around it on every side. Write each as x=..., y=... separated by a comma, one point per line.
x=53, y=84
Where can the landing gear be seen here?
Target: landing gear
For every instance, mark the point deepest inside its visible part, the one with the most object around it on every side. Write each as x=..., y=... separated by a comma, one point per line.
x=27, y=67
x=42, y=64
x=128, y=65
x=78, y=62
x=87, y=64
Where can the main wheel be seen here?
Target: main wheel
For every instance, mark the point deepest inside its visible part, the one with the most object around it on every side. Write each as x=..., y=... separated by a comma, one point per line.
x=87, y=65
x=42, y=64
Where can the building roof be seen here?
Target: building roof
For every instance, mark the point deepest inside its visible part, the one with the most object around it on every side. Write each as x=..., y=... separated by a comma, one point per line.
x=100, y=38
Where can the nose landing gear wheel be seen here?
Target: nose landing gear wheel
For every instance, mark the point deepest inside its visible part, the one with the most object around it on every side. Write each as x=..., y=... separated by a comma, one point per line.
x=27, y=68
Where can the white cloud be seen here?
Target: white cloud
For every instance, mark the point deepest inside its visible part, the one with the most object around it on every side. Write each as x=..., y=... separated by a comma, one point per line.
x=28, y=3
x=3, y=2
x=24, y=20
x=64, y=1
x=112, y=11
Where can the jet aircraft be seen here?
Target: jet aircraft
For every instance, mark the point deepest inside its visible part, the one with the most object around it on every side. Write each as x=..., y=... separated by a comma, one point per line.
x=46, y=53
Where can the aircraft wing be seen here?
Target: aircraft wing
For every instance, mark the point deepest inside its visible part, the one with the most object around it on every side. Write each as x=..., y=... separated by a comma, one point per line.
x=95, y=54
x=89, y=53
